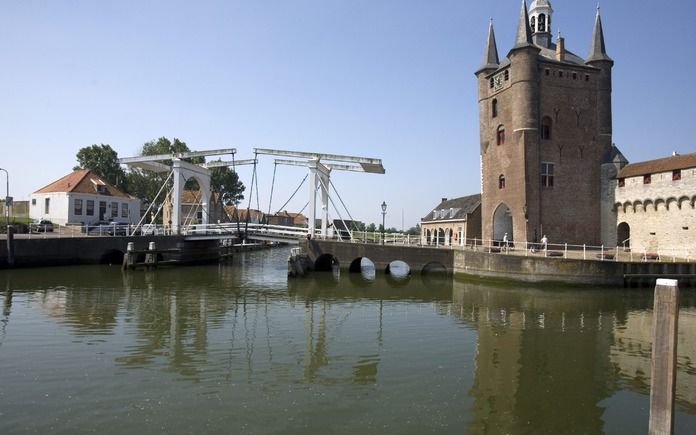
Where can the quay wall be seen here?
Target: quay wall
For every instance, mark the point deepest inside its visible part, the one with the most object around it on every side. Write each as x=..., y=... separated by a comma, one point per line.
x=538, y=269
x=54, y=251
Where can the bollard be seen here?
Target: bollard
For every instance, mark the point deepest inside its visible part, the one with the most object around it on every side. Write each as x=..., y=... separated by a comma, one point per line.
x=129, y=257
x=151, y=256
x=664, y=357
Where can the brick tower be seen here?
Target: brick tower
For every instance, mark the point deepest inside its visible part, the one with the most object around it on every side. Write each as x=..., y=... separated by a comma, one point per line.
x=545, y=129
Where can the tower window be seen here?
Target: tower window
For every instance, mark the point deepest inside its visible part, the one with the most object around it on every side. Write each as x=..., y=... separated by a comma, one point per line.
x=587, y=77
x=547, y=174
x=532, y=24
x=548, y=71
x=622, y=182
x=676, y=175
x=506, y=74
x=575, y=76
x=501, y=181
x=560, y=73
x=494, y=108
x=500, y=135
x=546, y=128
x=491, y=83
x=646, y=179
x=542, y=23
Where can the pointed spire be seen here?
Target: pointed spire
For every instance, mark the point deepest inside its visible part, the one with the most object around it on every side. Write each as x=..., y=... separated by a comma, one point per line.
x=490, y=53
x=524, y=32
x=597, y=49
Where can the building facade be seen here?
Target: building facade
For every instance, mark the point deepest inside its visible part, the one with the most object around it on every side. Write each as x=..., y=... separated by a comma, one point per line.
x=83, y=197
x=654, y=204
x=545, y=131
x=453, y=222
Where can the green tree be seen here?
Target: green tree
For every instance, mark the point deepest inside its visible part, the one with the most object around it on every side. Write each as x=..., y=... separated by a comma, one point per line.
x=103, y=160
x=225, y=183
x=414, y=231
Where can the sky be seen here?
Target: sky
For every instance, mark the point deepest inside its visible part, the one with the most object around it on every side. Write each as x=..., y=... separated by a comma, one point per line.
x=387, y=79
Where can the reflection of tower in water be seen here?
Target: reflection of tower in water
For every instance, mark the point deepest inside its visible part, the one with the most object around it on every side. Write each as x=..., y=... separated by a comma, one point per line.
x=542, y=360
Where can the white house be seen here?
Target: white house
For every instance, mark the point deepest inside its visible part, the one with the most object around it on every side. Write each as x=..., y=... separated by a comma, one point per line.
x=83, y=197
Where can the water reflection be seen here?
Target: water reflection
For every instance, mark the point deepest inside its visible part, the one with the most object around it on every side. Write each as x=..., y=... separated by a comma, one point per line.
x=466, y=357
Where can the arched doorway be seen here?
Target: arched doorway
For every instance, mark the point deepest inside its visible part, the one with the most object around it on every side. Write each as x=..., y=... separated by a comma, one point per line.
x=623, y=235
x=502, y=222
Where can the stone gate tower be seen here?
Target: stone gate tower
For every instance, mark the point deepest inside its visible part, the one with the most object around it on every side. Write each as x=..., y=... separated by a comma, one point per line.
x=545, y=127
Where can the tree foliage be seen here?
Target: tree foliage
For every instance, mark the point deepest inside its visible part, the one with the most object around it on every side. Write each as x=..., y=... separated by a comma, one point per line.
x=103, y=160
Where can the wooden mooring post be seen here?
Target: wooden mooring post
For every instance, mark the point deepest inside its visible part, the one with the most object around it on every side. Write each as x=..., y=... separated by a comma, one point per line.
x=664, y=357
x=151, y=256
x=129, y=258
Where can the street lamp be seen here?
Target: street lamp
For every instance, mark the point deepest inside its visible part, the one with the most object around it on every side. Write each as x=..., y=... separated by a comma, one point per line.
x=384, y=213
x=7, y=196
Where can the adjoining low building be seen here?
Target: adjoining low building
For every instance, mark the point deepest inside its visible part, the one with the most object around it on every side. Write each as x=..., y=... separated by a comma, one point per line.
x=654, y=204
x=453, y=222
x=83, y=197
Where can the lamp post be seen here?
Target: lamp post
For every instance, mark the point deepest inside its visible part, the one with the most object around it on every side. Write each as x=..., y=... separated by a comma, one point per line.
x=384, y=213
x=7, y=196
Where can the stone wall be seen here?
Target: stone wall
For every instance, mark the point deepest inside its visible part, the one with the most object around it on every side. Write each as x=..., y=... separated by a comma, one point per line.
x=661, y=214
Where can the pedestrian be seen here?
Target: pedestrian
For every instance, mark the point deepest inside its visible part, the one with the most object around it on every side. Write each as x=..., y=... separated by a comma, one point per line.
x=544, y=242
x=505, y=241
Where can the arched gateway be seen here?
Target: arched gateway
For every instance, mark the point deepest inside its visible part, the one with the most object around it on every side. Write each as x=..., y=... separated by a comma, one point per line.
x=502, y=222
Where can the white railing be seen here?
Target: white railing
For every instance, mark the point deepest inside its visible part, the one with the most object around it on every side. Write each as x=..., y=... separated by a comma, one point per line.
x=566, y=250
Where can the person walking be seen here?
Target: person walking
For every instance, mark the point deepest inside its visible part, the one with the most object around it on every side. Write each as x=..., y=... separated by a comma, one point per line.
x=544, y=242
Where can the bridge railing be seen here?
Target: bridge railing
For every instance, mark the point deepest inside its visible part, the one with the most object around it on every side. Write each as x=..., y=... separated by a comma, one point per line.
x=567, y=250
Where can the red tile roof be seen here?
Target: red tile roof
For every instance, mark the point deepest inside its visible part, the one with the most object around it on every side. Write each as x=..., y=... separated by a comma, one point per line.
x=82, y=181
x=659, y=165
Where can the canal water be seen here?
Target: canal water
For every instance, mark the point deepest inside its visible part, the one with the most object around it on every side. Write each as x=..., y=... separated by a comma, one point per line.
x=240, y=349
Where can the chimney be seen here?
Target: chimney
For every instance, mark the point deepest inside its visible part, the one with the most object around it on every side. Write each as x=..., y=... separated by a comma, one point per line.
x=560, y=48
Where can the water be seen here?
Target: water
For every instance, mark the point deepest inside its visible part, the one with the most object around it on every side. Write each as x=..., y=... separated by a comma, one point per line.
x=238, y=348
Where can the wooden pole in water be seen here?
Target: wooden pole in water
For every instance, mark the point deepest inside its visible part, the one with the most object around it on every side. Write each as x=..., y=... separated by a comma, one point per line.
x=664, y=357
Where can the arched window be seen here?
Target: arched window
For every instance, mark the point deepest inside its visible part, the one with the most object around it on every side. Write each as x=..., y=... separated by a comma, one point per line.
x=533, y=24
x=500, y=135
x=494, y=108
x=542, y=23
x=546, y=128
x=501, y=182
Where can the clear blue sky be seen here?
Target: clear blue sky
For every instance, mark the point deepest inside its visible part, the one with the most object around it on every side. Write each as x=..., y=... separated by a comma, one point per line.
x=391, y=79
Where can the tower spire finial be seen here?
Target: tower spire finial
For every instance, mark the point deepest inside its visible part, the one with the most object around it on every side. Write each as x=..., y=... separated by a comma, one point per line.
x=598, y=50
x=524, y=32
x=490, y=52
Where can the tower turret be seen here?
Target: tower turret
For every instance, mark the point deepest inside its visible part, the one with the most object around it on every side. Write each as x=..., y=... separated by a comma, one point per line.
x=598, y=58
x=540, y=12
x=490, y=52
